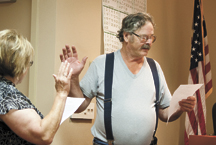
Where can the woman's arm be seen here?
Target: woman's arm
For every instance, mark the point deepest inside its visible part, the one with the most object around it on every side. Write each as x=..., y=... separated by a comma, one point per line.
x=27, y=123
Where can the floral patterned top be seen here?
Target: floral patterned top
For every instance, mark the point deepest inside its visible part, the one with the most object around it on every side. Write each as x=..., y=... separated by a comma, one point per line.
x=11, y=98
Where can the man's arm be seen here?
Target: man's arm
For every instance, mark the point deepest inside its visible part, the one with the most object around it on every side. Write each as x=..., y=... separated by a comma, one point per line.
x=186, y=105
x=75, y=91
x=72, y=58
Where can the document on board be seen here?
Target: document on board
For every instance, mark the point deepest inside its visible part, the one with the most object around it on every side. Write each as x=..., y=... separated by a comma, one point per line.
x=71, y=105
x=182, y=92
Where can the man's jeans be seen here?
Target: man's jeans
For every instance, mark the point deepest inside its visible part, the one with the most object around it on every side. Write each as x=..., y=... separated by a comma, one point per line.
x=97, y=141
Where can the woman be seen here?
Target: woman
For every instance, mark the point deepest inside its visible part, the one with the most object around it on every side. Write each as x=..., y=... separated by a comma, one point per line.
x=20, y=121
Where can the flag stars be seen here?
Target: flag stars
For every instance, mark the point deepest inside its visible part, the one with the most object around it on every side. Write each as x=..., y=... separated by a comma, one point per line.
x=196, y=45
x=193, y=49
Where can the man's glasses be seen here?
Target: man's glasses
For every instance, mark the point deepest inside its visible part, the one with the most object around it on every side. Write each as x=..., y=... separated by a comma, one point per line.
x=144, y=38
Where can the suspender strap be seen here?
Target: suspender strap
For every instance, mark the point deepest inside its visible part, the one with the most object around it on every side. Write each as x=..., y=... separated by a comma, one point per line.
x=109, y=65
x=156, y=82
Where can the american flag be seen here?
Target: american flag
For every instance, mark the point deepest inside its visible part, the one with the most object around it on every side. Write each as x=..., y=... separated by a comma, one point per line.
x=200, y=73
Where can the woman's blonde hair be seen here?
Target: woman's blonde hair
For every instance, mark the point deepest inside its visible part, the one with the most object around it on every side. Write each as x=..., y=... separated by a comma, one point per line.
x=16, y=53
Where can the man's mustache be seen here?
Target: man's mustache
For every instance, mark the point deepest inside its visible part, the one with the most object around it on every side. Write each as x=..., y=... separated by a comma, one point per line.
x=146, y=46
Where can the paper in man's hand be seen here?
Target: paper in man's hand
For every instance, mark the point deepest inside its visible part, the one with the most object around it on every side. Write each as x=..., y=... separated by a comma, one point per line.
x=182, y=92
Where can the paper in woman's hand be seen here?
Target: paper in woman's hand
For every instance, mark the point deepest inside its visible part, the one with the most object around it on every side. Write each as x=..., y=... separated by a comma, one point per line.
x=72, y=104
x=182, y=92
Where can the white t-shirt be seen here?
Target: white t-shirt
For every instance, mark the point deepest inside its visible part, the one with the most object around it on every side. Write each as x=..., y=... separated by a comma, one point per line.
x=133, y=97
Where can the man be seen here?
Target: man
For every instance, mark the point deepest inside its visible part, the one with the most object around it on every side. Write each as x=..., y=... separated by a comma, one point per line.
x=133, y=90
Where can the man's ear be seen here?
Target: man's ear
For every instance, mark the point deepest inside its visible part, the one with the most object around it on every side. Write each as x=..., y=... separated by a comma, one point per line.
x=126, y=36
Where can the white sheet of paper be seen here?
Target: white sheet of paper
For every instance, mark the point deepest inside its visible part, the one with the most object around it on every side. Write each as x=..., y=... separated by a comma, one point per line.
x=182, y=92
x=72, y=104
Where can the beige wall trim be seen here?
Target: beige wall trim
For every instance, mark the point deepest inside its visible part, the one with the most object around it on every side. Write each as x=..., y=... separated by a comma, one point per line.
x=32, y=73
x=43, y=39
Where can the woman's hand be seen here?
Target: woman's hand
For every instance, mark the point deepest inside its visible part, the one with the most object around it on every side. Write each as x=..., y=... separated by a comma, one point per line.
x=62, y=79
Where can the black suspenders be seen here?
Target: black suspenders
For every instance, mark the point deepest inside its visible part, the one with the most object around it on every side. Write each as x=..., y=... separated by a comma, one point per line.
x=156, y=82
x=108, y=97
x=109, y=65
